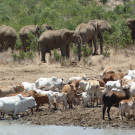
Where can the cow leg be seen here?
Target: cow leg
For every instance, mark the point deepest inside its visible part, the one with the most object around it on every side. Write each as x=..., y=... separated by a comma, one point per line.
x=15, y=111
x=3, y=115
x=108, y=111
x=133, y=115
x=104, y=109
x=32, y=111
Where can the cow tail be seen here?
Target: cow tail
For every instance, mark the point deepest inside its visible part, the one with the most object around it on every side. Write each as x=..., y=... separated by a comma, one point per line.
x=103, y=98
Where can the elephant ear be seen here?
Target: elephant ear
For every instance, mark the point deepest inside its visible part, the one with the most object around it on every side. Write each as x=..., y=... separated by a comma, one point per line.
x=67, y=36
x=95, y=24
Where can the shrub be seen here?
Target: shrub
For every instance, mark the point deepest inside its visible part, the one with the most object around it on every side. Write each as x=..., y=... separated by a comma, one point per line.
x=56, y=55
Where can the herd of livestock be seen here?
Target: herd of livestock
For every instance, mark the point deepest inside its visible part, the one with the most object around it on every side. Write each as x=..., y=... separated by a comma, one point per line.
x=113, y=89
x=53, y=39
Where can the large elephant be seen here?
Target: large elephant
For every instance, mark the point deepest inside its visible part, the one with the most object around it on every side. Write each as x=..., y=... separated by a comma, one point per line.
x=46, y=27
x=50, y=40
x=102, y=26
x=8, y=37
x=25, y=31
x=131, y=25
x=88, y=33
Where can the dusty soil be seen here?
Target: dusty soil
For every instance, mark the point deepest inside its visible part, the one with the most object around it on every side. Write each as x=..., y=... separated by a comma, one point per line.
x=16, y=73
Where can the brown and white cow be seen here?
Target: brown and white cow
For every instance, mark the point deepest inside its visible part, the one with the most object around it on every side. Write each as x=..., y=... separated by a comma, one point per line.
x=126, y=106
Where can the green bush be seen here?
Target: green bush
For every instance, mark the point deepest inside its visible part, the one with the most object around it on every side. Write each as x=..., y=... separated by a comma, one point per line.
x=56, y=55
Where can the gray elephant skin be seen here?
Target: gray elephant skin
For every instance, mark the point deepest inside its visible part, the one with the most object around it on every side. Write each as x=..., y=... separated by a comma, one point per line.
x=50, y=40
x=8, y=37
x=102, y=26
x=88, y=33
x=131, y=25
x=25, y=31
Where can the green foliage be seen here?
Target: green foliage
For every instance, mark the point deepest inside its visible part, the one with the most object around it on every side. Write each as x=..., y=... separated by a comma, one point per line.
x=67, y=14
x=86, y=51
x=56, y=55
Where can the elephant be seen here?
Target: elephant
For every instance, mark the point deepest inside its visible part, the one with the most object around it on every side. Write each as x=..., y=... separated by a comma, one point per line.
x=131, y=25
x=62, y=38
x=102, y=26
x=88, y=33
x=46, y=27
x=24, y=32
x=8, y=37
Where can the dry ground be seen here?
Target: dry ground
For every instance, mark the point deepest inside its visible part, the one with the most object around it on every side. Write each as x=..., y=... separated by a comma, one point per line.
x=30, y=70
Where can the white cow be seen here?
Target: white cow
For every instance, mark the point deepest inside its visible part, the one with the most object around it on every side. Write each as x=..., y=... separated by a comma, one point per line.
x=85, y=98
x=131, y=72
x=53, y=81
x=61, y=97
x=16, y=104
x=91, y=87
x=78, y=78
x=126, y=106
x=50, y=94
x=28, y=86
x=132, y=89
x=113, y=84
x=129, y=77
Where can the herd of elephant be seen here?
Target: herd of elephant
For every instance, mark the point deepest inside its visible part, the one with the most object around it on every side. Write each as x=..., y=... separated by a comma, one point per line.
x=52, y=39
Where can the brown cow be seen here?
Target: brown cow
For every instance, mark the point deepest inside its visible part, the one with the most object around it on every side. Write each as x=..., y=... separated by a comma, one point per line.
x=111, y=98
x=39, y=98
x=108, y=70
x=102, y=83
x=113, y=77
x=5, y=90
x=71, y=89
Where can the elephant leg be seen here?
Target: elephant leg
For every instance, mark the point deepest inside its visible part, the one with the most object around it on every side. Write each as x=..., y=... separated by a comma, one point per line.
x=67, y=51
x=95, y=44
x=43, y=56
x=63, y=50
x=101, y=43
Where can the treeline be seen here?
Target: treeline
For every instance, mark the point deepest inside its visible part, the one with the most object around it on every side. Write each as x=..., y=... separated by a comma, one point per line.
x=69, y=14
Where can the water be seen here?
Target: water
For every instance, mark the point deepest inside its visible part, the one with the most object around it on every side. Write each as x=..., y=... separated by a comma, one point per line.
x=19, y=129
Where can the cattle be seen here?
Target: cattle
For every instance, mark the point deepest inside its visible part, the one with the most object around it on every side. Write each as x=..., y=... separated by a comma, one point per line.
x=132, y=89
x=82, y=75
x=102, y=83
x=60, y=97
x=28, y=86
x=91, y=87
x=113, y=84
x=126, y=82
x=109, y=70
x=5, y=90
x=39, y=98
x=77, y=78
x=113, y=77
x=50, y=95
x=85, y=98
x=126, y=106
x=71, y=90
x=53, y=81
x=16, y=104
x=77, y=98
x=128, y=77
x=46, y=88
x=112, y=98
x=131, y=72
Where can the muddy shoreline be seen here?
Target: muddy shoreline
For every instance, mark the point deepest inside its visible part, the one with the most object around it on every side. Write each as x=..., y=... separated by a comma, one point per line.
x=78, y=116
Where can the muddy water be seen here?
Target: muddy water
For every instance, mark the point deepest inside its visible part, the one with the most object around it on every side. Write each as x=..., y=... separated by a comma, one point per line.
x=20, y=129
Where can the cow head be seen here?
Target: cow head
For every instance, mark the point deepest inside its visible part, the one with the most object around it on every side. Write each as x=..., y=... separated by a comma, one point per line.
x=32, y=102
x=18, y=88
